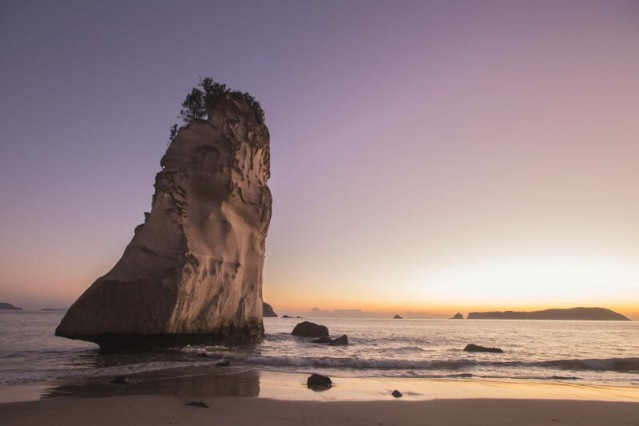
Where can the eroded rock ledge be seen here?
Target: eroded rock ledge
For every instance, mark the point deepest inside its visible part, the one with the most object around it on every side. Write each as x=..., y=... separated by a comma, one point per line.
x=193, y=270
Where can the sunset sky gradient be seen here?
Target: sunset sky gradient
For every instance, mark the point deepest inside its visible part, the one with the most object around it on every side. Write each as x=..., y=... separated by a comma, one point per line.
x=427, y=156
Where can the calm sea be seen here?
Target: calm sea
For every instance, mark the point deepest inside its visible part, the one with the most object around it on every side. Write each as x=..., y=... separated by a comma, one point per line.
x=593, y=353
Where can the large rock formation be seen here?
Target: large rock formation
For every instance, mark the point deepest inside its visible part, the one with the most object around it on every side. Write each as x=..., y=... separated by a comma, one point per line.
x=193, y=270
x=582, y=314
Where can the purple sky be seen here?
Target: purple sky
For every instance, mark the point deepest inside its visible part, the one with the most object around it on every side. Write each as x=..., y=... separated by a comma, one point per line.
x=430, y=155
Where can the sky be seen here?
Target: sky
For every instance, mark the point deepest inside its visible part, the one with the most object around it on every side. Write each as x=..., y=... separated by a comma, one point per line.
x=433, y=157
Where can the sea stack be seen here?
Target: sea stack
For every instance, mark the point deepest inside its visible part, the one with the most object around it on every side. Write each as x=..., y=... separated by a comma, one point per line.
x=193, y=270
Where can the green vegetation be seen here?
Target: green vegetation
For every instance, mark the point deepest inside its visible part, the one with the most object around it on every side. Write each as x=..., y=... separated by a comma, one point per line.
x=205, y=95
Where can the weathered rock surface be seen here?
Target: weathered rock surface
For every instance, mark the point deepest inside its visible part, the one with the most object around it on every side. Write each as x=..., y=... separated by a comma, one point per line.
x=193, y=270
x=579, y=314
x=477, y=348
x=458, y=315
x=267, y=311
x=310, y=329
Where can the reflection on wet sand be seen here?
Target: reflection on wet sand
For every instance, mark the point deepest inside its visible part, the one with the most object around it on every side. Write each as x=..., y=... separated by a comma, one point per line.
x=246, y=383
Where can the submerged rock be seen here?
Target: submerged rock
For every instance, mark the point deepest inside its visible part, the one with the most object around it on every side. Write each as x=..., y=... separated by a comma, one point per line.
x=477, y=348
x=317, y=382
x=310, y=329
x=193, y=270
x=340, y=341
x=323, y=340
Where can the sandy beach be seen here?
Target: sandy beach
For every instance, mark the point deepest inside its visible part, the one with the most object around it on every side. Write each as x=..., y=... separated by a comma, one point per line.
x=163, y=410
x=266, y=398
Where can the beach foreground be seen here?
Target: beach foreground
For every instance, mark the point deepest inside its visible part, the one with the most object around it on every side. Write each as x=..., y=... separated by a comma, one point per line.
x=170, y=410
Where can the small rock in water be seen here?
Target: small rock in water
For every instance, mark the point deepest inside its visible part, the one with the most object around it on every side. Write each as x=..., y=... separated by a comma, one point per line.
x=398, y=316
x=477, y=348
x=323, y=340
x=224, y=363
x=340, y=341
x=310, y=329
x=121, y=380
x=200, y=404
x=317, y=382
x=397, y=394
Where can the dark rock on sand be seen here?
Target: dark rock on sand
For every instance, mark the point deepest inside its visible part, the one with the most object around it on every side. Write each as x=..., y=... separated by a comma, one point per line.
x=458, y=315
x=310, y=329
x=477, y=348
x=317, y=382
x=121, y=380
x=398, y=316
x=397, y=394
x=200, y=404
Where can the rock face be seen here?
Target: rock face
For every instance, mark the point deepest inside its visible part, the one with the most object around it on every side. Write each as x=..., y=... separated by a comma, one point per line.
x=267, y=311
x=193, y=270
x=585, y=314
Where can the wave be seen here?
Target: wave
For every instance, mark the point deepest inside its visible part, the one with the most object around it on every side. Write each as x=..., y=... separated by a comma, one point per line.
x=621, y=365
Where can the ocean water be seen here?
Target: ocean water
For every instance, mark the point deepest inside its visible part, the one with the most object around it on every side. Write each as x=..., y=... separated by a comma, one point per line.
x=580, y=352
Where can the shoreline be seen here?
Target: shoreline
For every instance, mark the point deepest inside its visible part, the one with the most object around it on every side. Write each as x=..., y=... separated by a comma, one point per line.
x=259, y=384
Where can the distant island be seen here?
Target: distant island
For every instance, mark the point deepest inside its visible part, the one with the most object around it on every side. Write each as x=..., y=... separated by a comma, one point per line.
x=585, y=314
x=54, y=309
x=9, y=307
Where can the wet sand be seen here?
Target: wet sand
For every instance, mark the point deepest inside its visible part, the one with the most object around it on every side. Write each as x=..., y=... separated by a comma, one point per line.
x=256, y=398
x=165, y=410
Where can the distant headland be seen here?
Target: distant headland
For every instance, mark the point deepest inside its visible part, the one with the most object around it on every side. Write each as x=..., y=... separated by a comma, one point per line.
x=585, y=314
x=9, y=307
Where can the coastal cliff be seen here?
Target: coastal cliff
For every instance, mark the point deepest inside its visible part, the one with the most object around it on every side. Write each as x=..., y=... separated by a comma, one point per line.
x=585, y=314
x=193, y=270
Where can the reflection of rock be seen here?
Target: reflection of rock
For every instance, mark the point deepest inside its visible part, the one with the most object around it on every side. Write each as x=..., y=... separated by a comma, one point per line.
x=458, y=315
x=193, y=270
x=203, y=386
x=317, y=382
x=310, y=329
x=267, y=311
x=398, y=316
x=477, y=348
